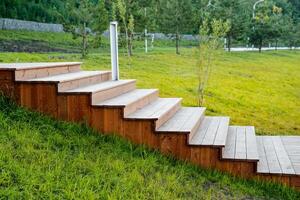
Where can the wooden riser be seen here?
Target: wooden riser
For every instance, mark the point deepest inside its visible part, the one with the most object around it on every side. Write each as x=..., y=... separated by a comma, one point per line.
x=7, y=85
x=77, y=108
x=43, y=72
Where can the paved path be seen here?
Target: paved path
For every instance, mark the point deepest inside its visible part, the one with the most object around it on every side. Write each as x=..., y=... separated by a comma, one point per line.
x=263, y=49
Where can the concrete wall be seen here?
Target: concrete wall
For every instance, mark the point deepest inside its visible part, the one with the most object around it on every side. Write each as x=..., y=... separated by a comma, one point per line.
x=14, y=24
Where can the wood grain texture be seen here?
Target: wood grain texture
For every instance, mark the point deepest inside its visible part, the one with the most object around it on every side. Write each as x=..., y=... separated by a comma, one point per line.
x=7, y=85
x=279, y=157
x=39, y=97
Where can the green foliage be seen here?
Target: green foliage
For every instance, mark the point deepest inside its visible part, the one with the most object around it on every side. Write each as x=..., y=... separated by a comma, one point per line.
x=45, y=159
x=210, y=44
x=270, y=22
x=237, y=12
x=126, y=11
x=174, y=17
x=35, y=10
x=100, y=22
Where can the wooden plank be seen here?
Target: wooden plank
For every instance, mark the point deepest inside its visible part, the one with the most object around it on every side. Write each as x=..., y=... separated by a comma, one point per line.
x=262, y=165
x=183, y=121
x=177, y=121
x=283, y=158
x=21, y=66
x=155, y=109
x=221, y=135
x=128, y=98
x=251, y=145
x=292, y=147
x=240, y=147
x=112, y=92
x=272, y=159
x=168, y=113
x=211, y=131
x=201, y=132
x=195, y=120
x=228, y=152
x=67, y=77
x=24, y=74
x=92, y=88
x=80, y=82
x=172, y=102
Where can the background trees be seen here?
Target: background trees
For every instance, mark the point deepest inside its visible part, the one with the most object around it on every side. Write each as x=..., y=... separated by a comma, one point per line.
x=175, y=18
x=276, y=21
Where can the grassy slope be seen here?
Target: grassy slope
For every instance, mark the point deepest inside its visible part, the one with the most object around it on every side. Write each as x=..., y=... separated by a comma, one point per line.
x=44, y=159
x=251, y=88
x=61, y=41
x=65, y=41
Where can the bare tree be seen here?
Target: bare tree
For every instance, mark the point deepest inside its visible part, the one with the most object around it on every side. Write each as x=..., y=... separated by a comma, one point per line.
x=210, y=43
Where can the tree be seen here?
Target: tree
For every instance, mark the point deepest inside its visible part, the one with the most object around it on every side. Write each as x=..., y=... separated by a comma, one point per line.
x=100, y=21
x=238, y=15
x=126, y=16
x=262, y=29
x=85, y=17
x=174, y=18
x=272, y=21
x=210, y=42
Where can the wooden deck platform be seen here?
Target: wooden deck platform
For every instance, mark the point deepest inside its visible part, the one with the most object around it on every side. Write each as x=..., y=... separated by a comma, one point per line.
x=64, y=91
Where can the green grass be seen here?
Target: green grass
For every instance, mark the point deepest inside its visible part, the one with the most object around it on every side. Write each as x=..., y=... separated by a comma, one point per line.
x=41, y=158
x=62, y=42
x=252, y=88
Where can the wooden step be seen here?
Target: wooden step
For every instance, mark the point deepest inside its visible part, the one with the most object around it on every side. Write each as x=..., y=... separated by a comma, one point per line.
x=25, y=71
x=105, y=90
x=186, y=120
x=131, y=101
x=278, y=155
x=73, y=80
x=241, y=144
x=160, y=110
x=212, y=132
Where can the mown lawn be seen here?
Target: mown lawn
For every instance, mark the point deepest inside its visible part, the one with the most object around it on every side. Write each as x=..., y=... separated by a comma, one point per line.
x=253, y=89
x=41, y=158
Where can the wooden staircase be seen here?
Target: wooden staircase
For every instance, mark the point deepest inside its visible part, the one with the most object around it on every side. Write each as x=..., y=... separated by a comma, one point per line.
x=65, y=92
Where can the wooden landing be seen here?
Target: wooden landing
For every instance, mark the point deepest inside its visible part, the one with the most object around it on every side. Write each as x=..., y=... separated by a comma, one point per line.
x=63, y=91
x=279, y=155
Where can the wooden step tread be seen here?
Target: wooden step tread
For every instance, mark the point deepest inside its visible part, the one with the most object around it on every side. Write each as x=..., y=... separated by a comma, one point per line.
x=279, y=155
x=155, y=109
x=211, y=132
x=21, y=66
x=186, y=120
x=241, y=144
x=100, y=86
x=127, y=98
x=68, y=77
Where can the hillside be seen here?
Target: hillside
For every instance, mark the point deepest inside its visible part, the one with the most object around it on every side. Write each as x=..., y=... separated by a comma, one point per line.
x=42, y=158
x=242, y=85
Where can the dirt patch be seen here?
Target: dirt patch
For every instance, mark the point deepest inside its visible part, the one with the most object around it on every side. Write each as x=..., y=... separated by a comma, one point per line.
x=32, y=46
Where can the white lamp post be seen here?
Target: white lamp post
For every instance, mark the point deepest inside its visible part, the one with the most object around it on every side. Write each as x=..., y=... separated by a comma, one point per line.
x=254, y=6
x=114, y=50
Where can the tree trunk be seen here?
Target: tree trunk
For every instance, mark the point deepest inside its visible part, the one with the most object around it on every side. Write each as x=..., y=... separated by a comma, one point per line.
x=229, y=43
x=177, y=43
x=84, y=45
x=127, y=41
x=260, y=46
x=130, y=44
x=276, y=44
